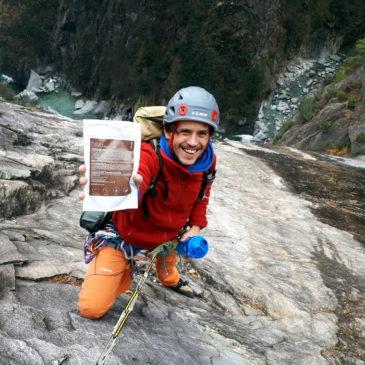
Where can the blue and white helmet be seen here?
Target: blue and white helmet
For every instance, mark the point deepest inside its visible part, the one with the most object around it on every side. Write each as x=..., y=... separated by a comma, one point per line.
x=193, y=103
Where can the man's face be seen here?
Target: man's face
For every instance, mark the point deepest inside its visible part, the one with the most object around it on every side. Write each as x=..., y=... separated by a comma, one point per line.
x=190, y=141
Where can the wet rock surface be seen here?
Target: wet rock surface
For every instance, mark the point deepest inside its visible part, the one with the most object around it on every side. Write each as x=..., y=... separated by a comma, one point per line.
x=336, y=191
x=338, y=196
x=279, y=285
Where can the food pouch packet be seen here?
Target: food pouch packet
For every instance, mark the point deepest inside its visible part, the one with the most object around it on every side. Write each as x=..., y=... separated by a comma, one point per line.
x=111, y=153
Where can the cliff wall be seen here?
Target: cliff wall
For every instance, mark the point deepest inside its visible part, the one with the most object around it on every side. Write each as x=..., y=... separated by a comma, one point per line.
x=141, y=52
x=333, y=120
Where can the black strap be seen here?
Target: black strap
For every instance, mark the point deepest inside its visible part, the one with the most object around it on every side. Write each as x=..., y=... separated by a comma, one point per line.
x=208, y=178
x=152, y=187
x=151, y=190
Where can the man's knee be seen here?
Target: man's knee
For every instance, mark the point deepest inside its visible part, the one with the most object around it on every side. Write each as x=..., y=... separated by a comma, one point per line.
x=92, y=310
x=108, y=275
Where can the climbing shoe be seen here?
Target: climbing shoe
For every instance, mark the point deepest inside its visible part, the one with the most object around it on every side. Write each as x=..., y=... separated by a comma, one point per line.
x=183, y=288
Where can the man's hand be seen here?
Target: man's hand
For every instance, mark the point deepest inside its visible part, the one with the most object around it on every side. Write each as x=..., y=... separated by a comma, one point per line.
x=193, y=231
x=137, y=178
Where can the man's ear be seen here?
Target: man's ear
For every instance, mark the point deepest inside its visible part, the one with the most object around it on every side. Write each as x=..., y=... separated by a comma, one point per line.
x=167, y=134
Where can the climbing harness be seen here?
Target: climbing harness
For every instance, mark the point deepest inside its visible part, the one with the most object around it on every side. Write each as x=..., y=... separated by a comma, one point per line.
x=108, y=236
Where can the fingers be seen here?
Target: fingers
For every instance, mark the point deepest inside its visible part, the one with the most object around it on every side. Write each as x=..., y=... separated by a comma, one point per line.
x=137, y=178
x=186, y=235
x=193, y=231
x=83, y=180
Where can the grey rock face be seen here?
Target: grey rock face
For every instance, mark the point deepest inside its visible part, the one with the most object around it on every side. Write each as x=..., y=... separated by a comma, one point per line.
x=301, y=79
x=79, y=104
x=28, y=96
x=35, y=82
x=7, y=277
x=357, y=138
x=8, y=252
x=313, y=135
x=335, y=124
x=88, y=107
x=335, y=57
x=34, y=155
x=272, y=289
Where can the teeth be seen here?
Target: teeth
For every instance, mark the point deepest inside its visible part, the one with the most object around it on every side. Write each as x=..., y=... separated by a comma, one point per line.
x=189, y=151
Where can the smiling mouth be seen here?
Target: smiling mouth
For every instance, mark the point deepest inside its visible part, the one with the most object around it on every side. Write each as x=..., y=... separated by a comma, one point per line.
x=190, y=151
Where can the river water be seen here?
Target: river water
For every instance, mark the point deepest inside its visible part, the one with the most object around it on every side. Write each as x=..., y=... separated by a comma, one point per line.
x=60, y=101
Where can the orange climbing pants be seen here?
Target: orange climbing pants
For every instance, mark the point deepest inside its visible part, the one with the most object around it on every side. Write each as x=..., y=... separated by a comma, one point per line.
x=109, y=274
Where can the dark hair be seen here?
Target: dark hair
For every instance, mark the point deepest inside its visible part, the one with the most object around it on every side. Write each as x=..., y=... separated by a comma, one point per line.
x=171, y=127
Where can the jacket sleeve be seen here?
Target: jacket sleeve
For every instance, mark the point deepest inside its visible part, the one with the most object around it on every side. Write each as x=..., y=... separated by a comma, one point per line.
x=198, y=214
x=148, y=167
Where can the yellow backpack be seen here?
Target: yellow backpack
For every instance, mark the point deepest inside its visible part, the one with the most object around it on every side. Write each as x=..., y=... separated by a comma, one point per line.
x=150, y=119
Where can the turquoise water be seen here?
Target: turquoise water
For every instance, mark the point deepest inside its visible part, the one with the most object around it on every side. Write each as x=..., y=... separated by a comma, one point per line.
x=61, y=101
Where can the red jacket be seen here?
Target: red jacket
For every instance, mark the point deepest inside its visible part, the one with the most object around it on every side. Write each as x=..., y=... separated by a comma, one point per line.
x=175, y=205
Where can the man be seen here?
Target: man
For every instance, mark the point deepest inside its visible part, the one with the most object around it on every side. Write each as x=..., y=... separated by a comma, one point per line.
x=186, y=151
